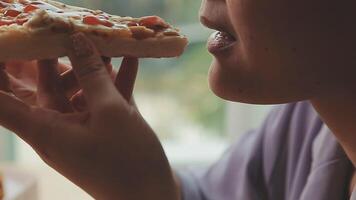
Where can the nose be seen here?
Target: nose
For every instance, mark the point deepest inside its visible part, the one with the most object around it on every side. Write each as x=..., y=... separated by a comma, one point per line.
x=202, y=6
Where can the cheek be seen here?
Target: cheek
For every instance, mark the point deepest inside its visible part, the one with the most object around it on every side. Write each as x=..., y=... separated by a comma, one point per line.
x=285, y=52
x=280, y=50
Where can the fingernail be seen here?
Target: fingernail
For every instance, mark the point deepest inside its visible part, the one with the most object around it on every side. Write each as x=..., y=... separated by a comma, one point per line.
x=81, y=45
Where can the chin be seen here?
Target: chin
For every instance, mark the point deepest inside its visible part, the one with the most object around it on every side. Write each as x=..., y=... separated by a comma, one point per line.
x=240, y=87
x=224, y=85
x=228, y=92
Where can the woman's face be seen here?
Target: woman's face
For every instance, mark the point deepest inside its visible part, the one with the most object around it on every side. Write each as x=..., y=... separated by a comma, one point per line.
x=278, y=51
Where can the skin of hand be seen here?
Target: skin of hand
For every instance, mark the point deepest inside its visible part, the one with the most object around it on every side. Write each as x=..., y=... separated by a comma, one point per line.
x=352, y=183
x=21, y=78
x=288, y=51
x=106, y=148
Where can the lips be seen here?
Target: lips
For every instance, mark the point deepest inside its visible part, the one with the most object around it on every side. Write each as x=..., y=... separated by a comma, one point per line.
x=220, y=41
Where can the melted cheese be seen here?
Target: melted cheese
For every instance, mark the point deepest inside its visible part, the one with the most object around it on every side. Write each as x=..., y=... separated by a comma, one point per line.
x=58, y=17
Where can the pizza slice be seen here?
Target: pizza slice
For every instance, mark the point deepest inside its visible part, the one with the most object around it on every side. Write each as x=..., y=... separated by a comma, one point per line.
x=40, y=29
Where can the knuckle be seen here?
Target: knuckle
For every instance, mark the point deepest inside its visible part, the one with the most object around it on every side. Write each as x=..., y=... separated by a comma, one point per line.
x=89, y=69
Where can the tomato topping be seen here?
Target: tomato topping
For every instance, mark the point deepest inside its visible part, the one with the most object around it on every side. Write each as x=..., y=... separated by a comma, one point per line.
x=6, y=22
x=21, y=21
x=12, y=13
x=153, y=22
x=94, y=20
x=30, y=8
x=107, y=23
x=91, y=20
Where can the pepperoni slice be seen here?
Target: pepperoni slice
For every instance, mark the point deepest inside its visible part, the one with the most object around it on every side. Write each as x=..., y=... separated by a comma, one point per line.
x=94, y=20
x=107, y=23
x=153, y=22
x=12, y=13
x=30, y=8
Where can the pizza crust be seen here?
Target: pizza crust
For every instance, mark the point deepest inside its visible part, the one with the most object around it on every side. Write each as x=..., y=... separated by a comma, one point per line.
x=19, y=44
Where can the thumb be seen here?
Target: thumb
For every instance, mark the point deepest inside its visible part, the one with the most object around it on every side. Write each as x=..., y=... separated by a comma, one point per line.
x=125, y=80
x=91, y=72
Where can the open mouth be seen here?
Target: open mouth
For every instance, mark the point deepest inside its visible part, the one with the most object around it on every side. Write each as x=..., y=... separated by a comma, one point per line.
x=220, y=41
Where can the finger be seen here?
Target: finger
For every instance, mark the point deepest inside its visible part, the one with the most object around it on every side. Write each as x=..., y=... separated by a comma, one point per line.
x=22, y=91
x=33, y=124
x=90, y=72
x=24, y=70
x=4, y=80
x=69, y=81
x=15, y=115
x=78, y=102
x=48, y=75
x=49, y=92
x=125, y=80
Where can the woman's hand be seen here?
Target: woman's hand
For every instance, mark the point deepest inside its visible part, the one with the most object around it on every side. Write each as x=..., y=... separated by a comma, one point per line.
x=28, y=81
x=107, y=148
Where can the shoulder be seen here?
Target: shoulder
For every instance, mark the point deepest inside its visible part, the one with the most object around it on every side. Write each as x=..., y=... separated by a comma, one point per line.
x=262, y=162
x=288, y=125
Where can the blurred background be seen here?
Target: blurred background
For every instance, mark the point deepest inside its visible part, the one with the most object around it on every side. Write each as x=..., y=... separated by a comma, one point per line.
x=193, y=124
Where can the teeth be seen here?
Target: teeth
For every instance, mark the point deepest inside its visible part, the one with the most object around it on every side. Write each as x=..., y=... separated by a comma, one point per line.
x=224, y=35
x=220, y=41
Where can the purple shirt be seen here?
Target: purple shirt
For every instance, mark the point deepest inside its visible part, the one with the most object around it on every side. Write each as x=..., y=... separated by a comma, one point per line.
x=292, y=156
